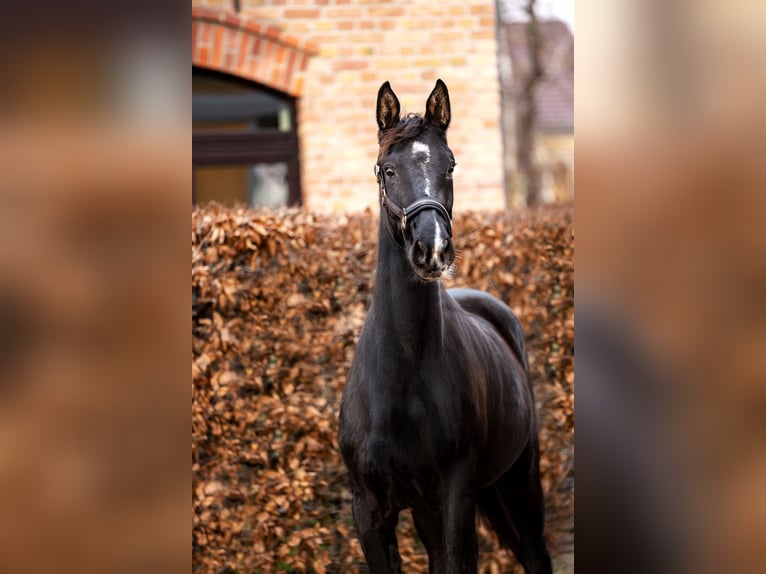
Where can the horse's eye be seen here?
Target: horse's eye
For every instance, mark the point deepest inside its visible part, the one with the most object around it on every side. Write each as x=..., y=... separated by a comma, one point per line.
x=450, y=169
x=389, y=171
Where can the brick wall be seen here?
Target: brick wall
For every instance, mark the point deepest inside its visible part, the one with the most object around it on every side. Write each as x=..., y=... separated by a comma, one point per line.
x=345, y=50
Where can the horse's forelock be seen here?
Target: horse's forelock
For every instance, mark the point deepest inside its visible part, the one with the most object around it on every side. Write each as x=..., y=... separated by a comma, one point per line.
x=408, y=127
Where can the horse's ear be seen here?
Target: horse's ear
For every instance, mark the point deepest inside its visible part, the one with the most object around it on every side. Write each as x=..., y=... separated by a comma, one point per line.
x=387, y=108
x=437, y=107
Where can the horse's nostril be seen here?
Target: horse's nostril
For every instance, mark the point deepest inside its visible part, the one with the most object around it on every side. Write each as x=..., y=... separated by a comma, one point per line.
x=419, y=252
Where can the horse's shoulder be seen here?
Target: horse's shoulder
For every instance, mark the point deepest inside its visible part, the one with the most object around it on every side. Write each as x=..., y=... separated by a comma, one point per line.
x=491, y=311
x=473, y=299
x=480, y=304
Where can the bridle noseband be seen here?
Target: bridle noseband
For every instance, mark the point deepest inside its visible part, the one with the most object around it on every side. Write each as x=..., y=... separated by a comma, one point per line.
x=404, y=214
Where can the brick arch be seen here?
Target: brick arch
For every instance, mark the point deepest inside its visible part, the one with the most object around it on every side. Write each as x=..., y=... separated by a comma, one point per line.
x=263, y=53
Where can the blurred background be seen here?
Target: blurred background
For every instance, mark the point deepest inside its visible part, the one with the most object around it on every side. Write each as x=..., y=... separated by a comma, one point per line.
x=284, y=94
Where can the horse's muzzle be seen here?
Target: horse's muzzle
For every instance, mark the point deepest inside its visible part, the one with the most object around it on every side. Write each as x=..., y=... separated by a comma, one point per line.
x=430, y=261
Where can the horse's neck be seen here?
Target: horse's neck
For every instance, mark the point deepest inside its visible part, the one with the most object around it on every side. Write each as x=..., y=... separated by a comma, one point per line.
x=410, y=308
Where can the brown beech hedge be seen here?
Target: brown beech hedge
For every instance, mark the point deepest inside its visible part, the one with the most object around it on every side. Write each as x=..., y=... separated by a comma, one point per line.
x=278, y=299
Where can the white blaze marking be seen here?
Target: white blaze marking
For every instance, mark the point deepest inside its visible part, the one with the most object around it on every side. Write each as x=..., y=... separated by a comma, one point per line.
x=420, y=147
x=422, y=152
x=437, y=240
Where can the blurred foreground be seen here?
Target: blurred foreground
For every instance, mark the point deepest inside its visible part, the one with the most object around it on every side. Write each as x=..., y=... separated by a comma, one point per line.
x=671, y=274
x=93, y=300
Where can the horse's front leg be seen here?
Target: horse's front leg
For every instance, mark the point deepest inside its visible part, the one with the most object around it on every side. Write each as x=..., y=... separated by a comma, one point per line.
x=431, y=531
x=377, y=534
x=459, y=519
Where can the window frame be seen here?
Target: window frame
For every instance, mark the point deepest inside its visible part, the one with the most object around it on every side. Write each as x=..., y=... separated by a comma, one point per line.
x=238, y=147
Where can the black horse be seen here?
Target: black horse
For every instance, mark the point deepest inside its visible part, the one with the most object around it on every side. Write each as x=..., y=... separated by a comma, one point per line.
x=438, y=411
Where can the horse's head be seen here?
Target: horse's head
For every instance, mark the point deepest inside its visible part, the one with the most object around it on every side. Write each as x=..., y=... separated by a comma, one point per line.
x=414, y=170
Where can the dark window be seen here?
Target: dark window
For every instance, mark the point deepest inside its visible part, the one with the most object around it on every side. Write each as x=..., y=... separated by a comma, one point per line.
x=244, y=143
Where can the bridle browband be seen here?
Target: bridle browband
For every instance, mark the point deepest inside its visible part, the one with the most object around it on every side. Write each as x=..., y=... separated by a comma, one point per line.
x=405, y=214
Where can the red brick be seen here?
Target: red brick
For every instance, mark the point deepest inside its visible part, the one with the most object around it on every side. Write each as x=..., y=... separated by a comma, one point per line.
x=345, y=24
x=379, y=11
x=483, y=34
x=350, y=65
x=273, y=32
x=301, y=13
x=254, y=27
x=290, y=66
x=243, y=70
x=232, y=20
x=252, y=69
x=202, y=12
x=280, y=55
x=228, y=63
x=267, y=56
x=275, y=74
x=344, y=12
x=447, y=37
x=202, y=58
x=244, y=43
x=290, y=40
x=205, y=35
x=297, y=87
x=311, y=48
x=218, y=45
x=488, y=8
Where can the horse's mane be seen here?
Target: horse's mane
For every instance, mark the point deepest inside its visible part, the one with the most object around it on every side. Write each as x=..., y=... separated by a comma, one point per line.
x=408, y=127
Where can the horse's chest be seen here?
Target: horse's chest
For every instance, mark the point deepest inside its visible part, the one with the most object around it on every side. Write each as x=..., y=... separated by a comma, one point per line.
x=401, y=473
x=417, y=422
x=406, y=450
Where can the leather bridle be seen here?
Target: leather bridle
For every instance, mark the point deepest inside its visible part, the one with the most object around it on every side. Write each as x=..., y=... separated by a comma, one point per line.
x=405, y=214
